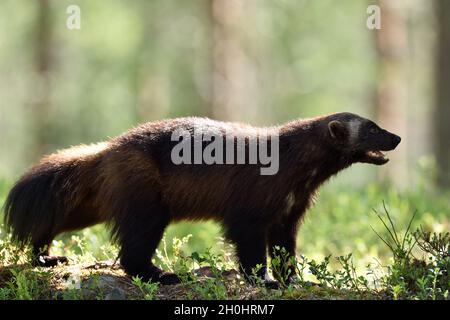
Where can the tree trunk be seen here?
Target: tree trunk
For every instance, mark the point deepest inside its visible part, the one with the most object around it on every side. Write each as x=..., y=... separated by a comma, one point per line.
x=234, y=75
x=442, y=111
x=392, y=88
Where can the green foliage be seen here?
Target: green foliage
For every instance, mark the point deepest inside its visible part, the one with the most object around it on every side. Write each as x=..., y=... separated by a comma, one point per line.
x=207, y=276
x=340, y=221
x=148, y=290
x=177, y=261
x=281, y=263
x=214, y=286
x=26, y=284
x=421, y=278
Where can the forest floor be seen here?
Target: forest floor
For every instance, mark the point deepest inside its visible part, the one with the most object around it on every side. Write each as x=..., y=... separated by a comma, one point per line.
x=106, y=280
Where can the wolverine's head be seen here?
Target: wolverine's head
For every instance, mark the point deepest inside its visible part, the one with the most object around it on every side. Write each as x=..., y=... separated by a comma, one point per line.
x=361, y=139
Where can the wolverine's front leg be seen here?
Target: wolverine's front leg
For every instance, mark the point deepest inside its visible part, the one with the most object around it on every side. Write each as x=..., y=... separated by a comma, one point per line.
x=283, y=235
x=251, y=251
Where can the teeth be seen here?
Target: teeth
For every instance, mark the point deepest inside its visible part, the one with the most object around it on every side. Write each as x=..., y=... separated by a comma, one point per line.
x=376, y=154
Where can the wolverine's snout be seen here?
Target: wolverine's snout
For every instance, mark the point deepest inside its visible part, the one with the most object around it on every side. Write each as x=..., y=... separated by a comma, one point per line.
x=397, y=140
x=394, y=141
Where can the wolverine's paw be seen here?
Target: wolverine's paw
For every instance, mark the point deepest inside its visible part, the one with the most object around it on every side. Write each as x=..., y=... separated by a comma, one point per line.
x=50, y=261
x=167, y=278
x=154, y=274
x=271, y=284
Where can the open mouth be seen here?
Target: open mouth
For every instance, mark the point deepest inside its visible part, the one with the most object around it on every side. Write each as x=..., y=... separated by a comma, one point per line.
x=376, y=157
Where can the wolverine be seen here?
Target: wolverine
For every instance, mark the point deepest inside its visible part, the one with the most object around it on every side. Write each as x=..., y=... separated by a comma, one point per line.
x=131, y=183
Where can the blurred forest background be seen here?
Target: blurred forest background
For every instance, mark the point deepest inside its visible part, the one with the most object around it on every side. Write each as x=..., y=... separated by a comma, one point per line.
x=258, y=61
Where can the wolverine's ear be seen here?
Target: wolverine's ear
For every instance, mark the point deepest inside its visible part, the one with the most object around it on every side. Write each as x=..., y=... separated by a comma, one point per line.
x=337, y=130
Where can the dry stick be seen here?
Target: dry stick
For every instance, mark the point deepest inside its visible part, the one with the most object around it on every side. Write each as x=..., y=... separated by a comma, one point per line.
x=407, y=231
x=391, y=223
x=386, y=227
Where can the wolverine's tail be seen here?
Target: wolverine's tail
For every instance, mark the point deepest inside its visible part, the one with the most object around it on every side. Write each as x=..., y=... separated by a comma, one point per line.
x=39, y=202
x=31, y=205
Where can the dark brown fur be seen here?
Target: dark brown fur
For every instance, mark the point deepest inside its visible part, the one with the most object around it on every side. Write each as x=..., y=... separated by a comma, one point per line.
x=131, y=183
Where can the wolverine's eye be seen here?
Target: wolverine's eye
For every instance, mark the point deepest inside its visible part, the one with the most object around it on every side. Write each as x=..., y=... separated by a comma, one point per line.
x=374, y=130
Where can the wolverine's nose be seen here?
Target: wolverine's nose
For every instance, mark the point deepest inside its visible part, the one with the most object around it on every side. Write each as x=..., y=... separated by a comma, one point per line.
x=396, y=139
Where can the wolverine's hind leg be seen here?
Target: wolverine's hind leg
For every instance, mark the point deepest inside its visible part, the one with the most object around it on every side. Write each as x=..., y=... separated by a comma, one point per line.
x=139, y=232
x=83, y=216
x=41, y=255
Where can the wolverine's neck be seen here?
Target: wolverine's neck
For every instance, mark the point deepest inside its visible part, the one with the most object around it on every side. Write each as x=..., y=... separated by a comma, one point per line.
x=307, y=153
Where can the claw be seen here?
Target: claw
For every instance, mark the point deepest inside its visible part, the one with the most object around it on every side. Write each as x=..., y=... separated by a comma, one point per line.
x=50, y=261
